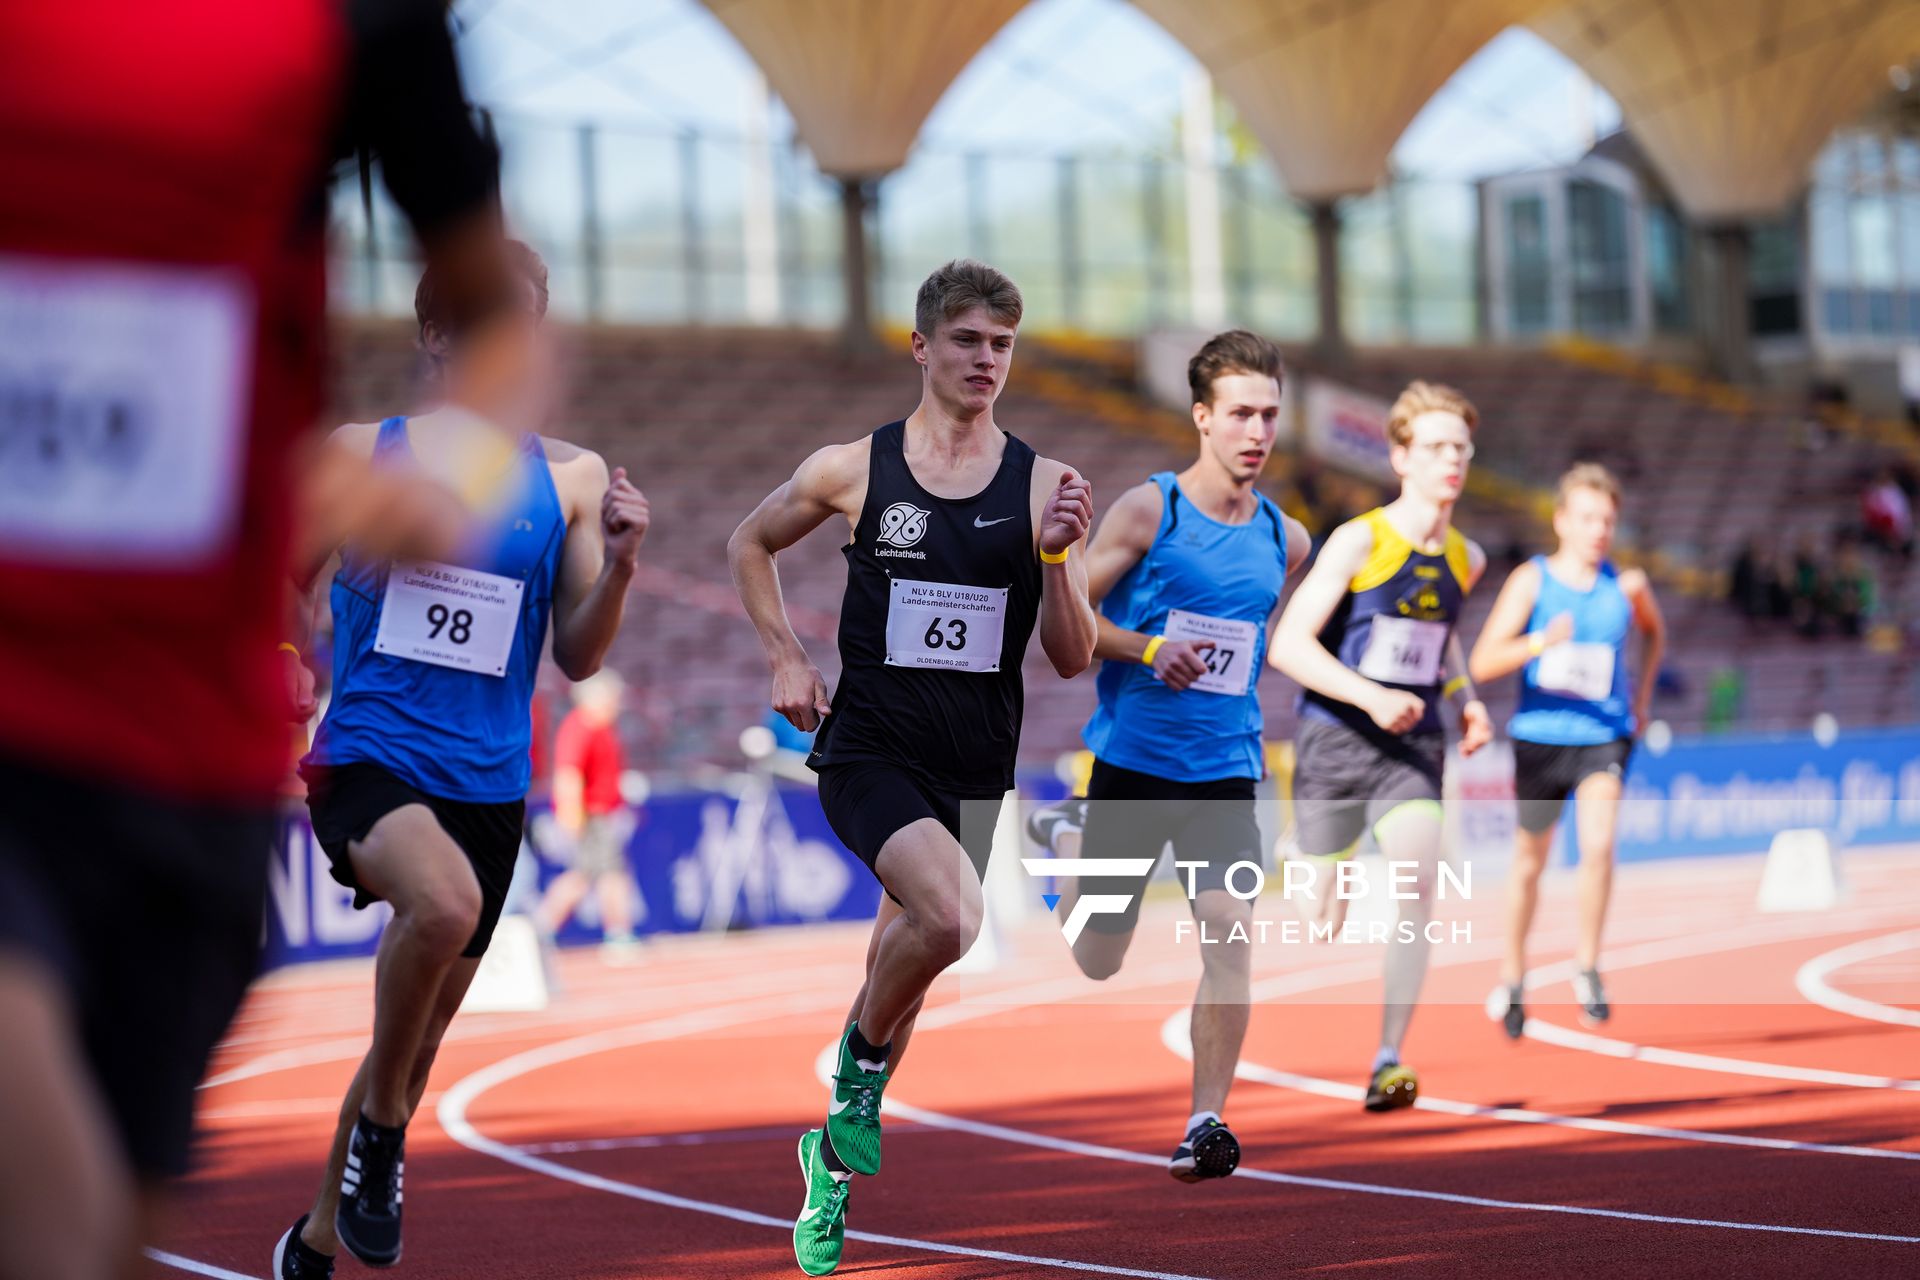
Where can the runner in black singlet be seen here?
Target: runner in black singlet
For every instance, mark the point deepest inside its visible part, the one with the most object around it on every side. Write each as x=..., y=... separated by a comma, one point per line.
x=960, y=540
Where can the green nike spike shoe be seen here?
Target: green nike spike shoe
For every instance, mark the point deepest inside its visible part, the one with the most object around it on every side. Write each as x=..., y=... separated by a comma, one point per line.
x=853, y=1119
x=820, y=1230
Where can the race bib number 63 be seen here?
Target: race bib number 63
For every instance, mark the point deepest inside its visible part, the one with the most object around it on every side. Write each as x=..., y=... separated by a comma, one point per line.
x=945, y=627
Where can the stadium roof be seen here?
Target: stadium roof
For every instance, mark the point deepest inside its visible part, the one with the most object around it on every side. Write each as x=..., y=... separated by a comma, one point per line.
x=1730, y=98
x=1329, y=87
x=860, y=76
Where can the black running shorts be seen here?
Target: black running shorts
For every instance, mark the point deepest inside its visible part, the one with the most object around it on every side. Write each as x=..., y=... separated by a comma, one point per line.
x=146, y=912
x=346, y=801
x=1142, y=813
x=866, y=802
x=1544, y=775
x=1344, y=783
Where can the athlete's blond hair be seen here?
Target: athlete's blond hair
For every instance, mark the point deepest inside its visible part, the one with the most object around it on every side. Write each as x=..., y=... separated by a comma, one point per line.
x=1427, y=397
x=1586, y=475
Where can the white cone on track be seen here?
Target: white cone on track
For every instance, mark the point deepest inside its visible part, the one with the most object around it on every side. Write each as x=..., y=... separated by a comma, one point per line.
x=512, y=977
x=1004, y=891
x=1802, y=873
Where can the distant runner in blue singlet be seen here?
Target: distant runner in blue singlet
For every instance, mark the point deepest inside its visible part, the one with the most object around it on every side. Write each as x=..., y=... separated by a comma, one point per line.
x=1370, y=635
x=418, y=775
x=1187, y=570
x=1563, y=621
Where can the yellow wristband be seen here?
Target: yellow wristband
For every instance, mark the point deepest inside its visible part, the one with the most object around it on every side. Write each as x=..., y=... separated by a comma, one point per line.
x=289, y=648
x=1453, y=686
x=1048, y=558
x=1153, y=647
x=1536, y=644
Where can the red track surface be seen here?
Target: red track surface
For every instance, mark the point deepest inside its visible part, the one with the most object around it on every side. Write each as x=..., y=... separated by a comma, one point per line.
x=1039, y=1109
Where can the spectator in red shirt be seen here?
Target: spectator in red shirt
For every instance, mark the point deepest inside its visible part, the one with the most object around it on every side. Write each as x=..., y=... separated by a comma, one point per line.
x=1887, y=515
x=592, y=816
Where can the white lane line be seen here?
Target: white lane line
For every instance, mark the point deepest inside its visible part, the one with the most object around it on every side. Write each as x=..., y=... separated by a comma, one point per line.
x=940, y=1120
x=1174, y=1033
x=179, y=1263
x=1811, y=980
x=1292, y=982
x=1568, y=1038
x=490, y=1026
x=936, y=1119
x=1587, y=1042
x=452, y=1114
x=650, y=1141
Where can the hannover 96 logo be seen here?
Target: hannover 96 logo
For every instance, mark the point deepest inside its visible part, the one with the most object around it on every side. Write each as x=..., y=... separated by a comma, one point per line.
x=903, y=524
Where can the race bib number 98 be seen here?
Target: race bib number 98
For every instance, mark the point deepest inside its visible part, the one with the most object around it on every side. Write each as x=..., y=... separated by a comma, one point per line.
x=1583, y=671
x=123, y=411
x=1404, y=651
x=944, y=627
x=449, y=617
x=1231, y=662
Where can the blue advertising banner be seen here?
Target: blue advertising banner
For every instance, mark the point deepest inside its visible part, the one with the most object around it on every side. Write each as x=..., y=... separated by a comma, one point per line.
x=1732, y=794
x=309, y=916
x=764, y=856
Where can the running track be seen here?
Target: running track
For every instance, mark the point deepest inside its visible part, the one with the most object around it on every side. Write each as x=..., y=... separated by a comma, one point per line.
x=1752, y=1109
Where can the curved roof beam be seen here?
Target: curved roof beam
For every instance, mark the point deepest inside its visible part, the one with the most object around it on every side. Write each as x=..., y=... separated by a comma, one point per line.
x=1733, y=99
x=860, y=76
x=1328, y=86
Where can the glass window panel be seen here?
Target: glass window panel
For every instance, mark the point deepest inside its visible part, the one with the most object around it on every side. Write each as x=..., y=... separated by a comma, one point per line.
x=1597, y=223
x=641, y=194
x=1440, y=227
x=1369, y=299
x=1879, y=312
x=1827, y=231
x=1667, y=269
x=1837, y=309
x=1283, y=297
x=1529, y=269
x=1870, y=230
x=1907, y=314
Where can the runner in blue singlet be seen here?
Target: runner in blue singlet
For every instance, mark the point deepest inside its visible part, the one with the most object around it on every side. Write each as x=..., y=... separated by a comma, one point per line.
x=1564, y=621
x=418, y=775
x=1187, y=570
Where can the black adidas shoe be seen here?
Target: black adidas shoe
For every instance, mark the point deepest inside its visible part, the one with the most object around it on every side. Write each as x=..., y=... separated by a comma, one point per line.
x=1210, y=1151
x=1506, y=1007
x=1594, y=1008
x=368, y=1219
x=295, y=1259
x=1049, y=822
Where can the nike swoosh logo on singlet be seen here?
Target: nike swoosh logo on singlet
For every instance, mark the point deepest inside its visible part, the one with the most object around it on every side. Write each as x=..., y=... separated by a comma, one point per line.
x=978, y=523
